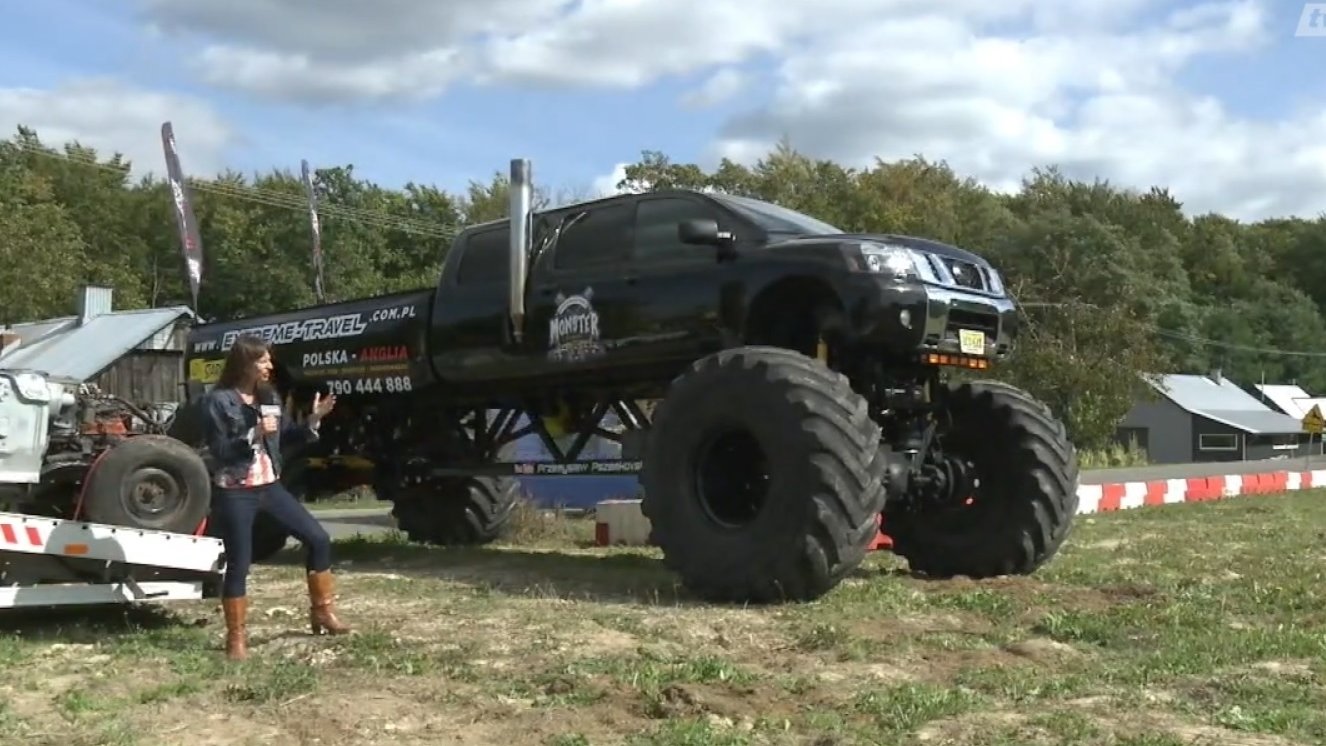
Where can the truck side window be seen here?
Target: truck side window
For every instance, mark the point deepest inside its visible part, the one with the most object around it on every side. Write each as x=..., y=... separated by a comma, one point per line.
x=601, y=238
x=656, y=228
x=484, y=257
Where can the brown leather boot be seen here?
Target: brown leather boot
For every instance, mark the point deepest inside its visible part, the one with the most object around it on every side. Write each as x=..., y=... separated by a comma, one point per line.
x=236, y=611
x=321, y=616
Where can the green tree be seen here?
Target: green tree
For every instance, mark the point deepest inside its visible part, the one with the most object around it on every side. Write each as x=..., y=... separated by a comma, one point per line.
x=1114, y=283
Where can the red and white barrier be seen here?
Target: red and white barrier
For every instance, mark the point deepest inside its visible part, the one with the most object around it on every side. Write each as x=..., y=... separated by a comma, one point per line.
x=1100, y=498
x=620, y=522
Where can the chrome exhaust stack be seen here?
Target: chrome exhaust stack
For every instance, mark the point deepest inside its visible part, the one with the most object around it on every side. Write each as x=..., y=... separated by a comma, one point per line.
x=522, y=197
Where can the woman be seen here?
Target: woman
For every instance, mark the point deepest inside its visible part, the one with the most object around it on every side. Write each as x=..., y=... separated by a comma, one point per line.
x=244, y=432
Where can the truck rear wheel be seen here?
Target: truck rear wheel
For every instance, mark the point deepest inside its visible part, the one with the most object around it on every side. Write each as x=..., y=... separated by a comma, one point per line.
x=149, y=482
x=762, y=477
x=457, y=511
x=1007, y=490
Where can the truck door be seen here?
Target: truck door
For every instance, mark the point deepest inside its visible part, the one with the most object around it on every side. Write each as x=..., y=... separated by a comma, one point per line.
x=678, y=287
x=578, y=307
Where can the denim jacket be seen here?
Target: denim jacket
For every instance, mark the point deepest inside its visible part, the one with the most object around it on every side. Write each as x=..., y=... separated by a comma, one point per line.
x=227, y=422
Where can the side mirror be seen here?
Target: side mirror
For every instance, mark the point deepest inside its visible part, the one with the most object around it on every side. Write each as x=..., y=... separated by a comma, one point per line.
x=702, y=232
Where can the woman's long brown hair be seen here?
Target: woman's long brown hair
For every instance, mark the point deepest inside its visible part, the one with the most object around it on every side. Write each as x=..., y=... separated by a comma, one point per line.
x=247, y=350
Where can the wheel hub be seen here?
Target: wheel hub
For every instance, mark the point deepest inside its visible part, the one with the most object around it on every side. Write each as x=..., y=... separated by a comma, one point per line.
x=948, y=481
x=732, y=477
x=152, y=493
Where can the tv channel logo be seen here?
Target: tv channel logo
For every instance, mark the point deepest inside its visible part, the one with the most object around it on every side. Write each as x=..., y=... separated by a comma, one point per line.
x=1313, y=20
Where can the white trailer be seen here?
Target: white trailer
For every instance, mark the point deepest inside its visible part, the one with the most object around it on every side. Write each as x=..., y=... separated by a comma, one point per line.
x=60, y=560
x=56, y=562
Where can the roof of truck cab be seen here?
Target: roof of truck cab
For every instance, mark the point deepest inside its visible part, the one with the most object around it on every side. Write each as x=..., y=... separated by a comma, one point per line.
x=496, y=222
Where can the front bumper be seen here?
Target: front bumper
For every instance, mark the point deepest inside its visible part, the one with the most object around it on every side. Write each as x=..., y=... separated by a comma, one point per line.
x=967, y=323
x=914, y=318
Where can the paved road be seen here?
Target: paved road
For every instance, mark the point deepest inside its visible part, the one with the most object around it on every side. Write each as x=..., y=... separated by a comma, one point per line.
x=346, y=522
x=1179, y=471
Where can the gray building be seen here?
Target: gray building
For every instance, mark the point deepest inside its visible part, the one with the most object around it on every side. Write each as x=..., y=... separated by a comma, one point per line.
x=1209, y=418
x=136, y=354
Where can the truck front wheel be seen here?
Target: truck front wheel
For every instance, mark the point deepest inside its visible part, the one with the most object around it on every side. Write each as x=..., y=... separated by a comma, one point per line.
x=762, y=477
x=457, y=511
x=1001, y=488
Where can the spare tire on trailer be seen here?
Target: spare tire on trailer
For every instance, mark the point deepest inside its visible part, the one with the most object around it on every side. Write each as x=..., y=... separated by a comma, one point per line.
x=150, y=482
x=456, y=510
x=762, y=477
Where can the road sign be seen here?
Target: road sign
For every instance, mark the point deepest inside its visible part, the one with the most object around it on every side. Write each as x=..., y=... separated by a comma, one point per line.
x=1313, y=422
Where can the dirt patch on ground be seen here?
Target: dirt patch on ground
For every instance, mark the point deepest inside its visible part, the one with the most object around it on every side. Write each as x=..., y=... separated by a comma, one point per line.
x=529, y=647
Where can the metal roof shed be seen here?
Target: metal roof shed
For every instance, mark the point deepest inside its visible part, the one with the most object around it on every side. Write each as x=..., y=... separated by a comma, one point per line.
x=65, y=348
x=1209, y=418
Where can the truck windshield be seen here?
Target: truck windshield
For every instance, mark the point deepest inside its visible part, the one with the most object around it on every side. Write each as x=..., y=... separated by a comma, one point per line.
x=776, y=219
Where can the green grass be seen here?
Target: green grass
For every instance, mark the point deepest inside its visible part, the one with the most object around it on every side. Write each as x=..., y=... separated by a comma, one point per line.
x=1114, y=456
x=1185, y=624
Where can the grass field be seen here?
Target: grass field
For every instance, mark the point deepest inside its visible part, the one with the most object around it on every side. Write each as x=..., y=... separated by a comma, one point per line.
x=1184, y=624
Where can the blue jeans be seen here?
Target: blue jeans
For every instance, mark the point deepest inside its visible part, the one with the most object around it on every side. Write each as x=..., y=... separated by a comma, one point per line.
x=234, y=511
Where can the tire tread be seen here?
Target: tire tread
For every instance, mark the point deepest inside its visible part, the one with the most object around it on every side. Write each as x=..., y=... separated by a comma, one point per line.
x=1043, y=465
x=837, y=438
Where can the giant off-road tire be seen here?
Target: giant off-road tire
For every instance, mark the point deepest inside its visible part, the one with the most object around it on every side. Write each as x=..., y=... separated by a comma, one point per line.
x=1022, y=510
x=457, y=511
x=762, y=477
x=149, y=482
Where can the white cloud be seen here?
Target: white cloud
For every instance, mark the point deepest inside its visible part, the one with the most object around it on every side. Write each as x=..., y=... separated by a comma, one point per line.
x=330, y=50
x=993, y=88
x=606, y=184
x=1098, y=103
x=110, y=116
x=720, y=86
x=295, y=76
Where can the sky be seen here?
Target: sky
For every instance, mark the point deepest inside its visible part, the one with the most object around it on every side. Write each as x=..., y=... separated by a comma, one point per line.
x=1221, y=102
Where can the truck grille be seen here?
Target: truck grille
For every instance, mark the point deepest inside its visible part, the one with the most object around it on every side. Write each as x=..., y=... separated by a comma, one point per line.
x=956, y=273
x=959, y=318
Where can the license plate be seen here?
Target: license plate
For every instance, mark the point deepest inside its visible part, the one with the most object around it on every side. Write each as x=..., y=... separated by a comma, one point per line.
x=971, y=342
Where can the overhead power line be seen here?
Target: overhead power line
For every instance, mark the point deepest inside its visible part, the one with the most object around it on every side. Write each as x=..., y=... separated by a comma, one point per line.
x=1191, y=338
x=269, y=197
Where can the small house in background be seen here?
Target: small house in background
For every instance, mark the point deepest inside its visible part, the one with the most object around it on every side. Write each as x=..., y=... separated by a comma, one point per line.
x=137, y=355
x=1210, y=418
x=1290, y=399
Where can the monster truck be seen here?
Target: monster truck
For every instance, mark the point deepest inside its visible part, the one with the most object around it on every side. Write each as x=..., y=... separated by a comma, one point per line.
x=796, y=372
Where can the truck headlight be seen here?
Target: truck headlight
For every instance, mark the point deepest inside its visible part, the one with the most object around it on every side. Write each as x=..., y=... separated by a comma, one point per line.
x=895, y=261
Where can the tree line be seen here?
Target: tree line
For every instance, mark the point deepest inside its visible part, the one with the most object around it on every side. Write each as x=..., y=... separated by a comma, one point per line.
x=1112, y=281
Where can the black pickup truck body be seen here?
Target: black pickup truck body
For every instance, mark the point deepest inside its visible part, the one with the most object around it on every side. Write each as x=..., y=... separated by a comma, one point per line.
x=619, y=300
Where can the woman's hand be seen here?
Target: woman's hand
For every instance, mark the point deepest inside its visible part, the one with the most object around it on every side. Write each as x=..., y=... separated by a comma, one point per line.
x=321, y=407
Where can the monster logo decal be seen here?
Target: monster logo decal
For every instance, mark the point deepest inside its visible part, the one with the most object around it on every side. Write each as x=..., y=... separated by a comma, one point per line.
x=573, y=330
